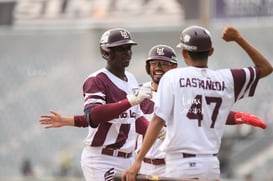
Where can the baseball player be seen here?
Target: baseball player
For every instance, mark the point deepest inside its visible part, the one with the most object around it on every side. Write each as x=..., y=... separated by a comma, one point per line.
x=161, y=58
x=194, y=103
x=111, y=109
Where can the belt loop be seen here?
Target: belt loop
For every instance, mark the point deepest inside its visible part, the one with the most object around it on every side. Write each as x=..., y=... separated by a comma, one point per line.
x=115, y=153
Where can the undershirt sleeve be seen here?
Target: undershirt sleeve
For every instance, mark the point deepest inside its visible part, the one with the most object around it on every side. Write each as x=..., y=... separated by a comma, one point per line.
x=141, y=125
x=107, y=112
x=230, y=118
x=80, y=121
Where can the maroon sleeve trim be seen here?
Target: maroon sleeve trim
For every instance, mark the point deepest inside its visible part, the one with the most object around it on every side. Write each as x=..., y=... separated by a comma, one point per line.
x=80, y=121
x=230, y=118
x=254, y=85
x=238, y=83
x=141, y=125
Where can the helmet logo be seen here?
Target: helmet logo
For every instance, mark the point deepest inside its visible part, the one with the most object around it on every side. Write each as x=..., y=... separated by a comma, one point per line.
x=160, y=51
x=124, y=34
x=186, y=38
x=104, y=38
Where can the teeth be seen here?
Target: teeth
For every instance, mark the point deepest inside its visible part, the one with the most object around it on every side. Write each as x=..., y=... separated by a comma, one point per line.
x=158, y=73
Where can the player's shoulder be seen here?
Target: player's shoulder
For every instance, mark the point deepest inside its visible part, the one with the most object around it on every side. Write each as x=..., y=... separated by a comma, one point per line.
x=223, y=70
x=238, y=71
x=129, y=74
x=95, y=74
x=171, y=73
x=175, y=71
x=131, y=78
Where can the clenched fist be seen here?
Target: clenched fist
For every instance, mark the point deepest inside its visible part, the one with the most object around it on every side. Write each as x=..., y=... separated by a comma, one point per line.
x=230, y=34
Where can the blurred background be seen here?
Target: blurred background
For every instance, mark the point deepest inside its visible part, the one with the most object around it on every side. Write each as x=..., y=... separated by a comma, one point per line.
x=49, y=47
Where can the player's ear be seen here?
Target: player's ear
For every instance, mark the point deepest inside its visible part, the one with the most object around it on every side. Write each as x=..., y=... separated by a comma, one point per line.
x=174, y=66
x=211, y=51
x=185, y=53
x=185, y=56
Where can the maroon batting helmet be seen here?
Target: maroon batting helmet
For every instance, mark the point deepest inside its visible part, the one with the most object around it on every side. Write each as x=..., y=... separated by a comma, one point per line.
x=195, y=39
x=161, y=52
x=113, y=38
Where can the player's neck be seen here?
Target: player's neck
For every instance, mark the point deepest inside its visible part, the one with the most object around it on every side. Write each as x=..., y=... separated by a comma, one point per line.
x=119, y=74
x=200, y=63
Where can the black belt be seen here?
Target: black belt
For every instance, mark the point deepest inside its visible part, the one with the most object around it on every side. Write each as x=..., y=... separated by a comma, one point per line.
x=189, y=155
x=159, y=161
x=111, y=152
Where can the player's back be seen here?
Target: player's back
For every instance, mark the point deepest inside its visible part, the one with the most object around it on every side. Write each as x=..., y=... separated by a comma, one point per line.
x=195, y=103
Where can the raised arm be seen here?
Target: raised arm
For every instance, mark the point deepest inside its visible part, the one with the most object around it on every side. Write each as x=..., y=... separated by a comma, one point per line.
x=232, y=34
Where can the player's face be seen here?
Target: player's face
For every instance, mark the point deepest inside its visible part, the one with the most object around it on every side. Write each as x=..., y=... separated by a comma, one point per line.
x=122, y=55
x=158, y=68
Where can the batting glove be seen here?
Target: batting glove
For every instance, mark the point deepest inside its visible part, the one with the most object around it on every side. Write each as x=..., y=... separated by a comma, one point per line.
x=243, y=118
x=141, y=94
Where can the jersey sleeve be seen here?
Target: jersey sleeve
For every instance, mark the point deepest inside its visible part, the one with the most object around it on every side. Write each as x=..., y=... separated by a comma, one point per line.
x=93, y=92
x=245, y=81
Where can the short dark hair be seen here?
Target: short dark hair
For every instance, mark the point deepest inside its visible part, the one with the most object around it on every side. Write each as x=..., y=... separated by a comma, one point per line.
x=199, y=55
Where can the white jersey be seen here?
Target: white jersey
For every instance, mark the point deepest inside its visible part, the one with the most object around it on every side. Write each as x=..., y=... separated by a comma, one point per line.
x=195, y=103
x=103, y=87
x=147, y=107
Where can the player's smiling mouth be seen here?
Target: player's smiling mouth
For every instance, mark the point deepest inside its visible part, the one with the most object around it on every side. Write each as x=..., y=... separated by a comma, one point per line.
x=158, y=74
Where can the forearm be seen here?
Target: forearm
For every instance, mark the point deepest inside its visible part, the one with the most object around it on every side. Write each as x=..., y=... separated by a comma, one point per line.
x=107, y=112
x=256, y=56
x=153, y=130
x=68, y=120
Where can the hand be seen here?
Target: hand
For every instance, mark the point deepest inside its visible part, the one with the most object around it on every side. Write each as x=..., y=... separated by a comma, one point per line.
x=53, y=120
x=162, y=133
x=230, y=34
x=130, y=174
x=243, y=118
x=141, y=94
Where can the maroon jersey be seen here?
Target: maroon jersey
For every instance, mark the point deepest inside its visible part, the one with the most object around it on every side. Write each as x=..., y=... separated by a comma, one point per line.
x=102, y=87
